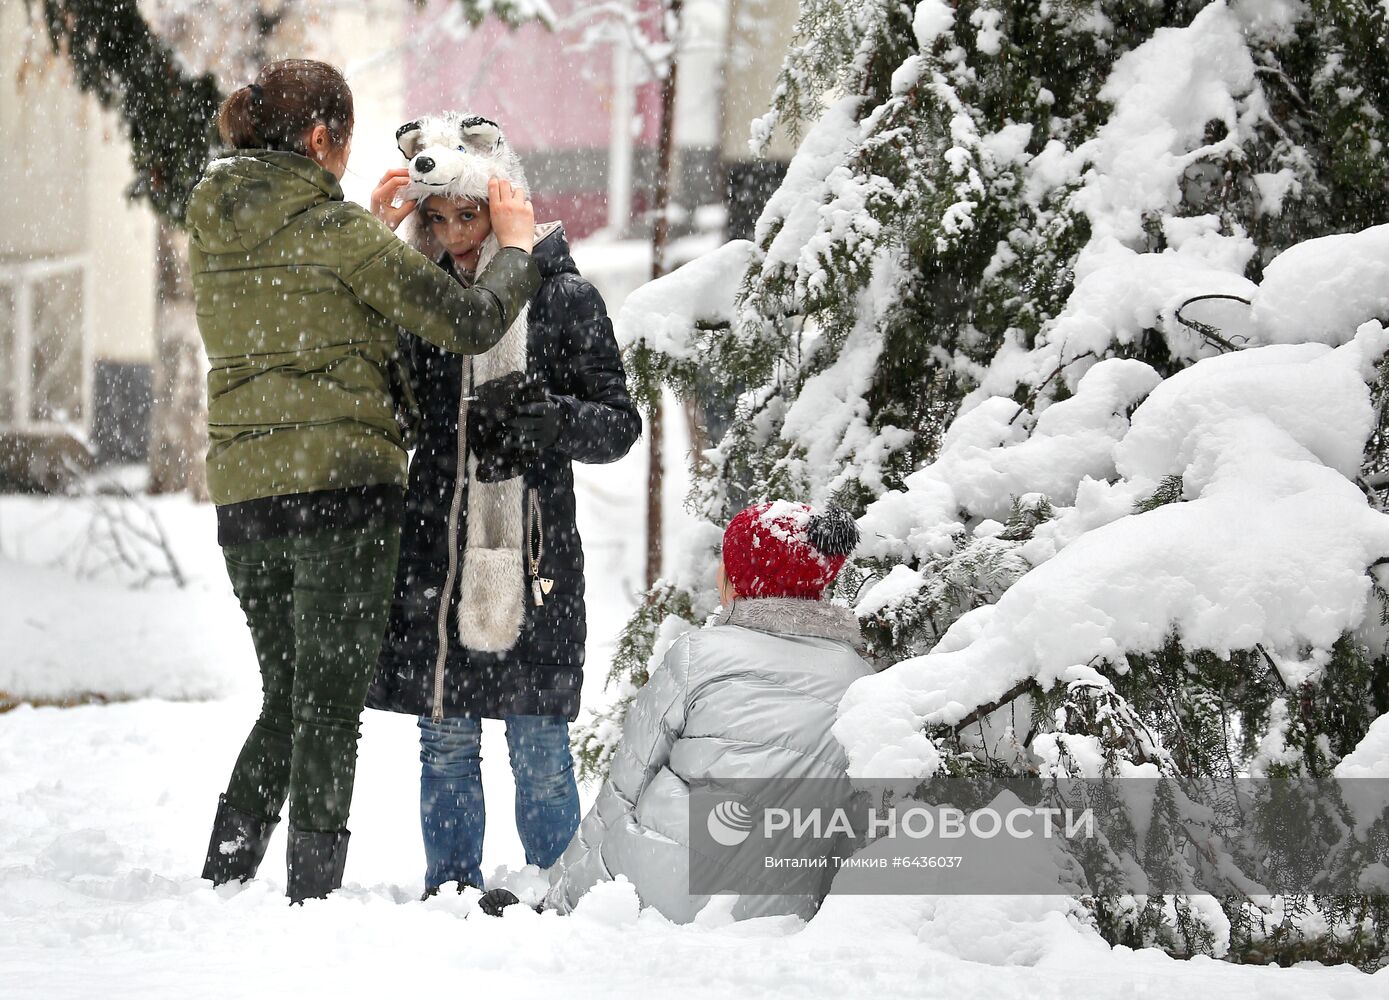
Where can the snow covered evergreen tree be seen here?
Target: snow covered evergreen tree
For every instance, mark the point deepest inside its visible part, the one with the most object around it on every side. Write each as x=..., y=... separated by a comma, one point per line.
x=1013, y=230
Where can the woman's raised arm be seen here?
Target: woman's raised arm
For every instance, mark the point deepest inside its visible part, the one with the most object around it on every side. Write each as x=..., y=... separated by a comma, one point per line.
x=412, y=291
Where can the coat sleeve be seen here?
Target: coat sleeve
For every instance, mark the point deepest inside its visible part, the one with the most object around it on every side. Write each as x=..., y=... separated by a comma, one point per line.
x=403, y=285
x=599, y=421
x=612, y=840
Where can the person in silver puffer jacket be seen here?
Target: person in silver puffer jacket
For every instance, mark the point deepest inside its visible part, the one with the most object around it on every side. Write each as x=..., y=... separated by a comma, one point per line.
x=751, y=695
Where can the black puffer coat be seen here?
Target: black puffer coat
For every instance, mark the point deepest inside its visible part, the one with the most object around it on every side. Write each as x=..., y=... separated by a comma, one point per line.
x=571, y=347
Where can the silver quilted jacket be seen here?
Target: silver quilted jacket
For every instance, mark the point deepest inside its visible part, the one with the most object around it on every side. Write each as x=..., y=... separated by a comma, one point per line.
x=752, y=695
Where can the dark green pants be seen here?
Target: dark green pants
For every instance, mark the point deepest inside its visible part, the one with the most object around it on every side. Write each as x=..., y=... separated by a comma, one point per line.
x=317, y=607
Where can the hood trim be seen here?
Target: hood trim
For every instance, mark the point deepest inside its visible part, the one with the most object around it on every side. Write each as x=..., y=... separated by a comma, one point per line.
x=794, y=616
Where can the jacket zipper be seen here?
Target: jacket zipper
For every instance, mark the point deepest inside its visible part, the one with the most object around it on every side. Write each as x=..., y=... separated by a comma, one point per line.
x=451, y=577
x=535, y=547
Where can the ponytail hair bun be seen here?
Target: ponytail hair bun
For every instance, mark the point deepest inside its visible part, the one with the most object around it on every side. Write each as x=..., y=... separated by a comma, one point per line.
x=287, y=99
x=235, y=123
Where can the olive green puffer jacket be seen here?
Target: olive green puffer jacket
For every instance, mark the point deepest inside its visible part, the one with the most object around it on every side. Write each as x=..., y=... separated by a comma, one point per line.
x=299, y=296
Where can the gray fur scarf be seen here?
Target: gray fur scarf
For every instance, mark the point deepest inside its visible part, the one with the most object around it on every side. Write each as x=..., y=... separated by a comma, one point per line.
x=491, y=605
x=491, y=602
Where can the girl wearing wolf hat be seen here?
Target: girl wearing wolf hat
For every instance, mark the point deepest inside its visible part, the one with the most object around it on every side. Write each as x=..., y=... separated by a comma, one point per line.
x=488, y=617
x=299, y=297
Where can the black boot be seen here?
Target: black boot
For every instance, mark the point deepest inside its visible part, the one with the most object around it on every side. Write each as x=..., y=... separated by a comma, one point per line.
x=433, y=891
x=238, y=844
x=314, y=863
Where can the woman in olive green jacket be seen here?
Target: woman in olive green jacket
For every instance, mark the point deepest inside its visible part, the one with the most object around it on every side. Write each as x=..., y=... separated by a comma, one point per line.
x=299, y=297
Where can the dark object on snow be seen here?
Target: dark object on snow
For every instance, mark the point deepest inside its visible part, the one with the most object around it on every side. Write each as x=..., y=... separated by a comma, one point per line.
x=314, y=863
x=1224, y=321
x=238, y=844
x=834, y=532
x=572, y=353
x=493, y=901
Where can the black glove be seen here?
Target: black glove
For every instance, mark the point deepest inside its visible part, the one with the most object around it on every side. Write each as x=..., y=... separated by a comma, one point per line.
x=511, y=420
x=488, y=412
x=534, y=426
x=493, y=901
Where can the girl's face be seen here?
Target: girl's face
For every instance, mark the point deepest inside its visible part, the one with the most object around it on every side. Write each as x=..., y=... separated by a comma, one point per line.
x=460, y=227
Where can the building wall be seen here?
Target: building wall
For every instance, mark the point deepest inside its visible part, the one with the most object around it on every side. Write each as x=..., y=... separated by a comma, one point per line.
x=556, y=102
x=119, y=244
x=42, y=129
x=62, y=191
x=759, y=33
x=77, y=258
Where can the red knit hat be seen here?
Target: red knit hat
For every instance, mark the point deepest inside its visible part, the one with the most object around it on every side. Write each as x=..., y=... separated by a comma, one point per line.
x=783, y=549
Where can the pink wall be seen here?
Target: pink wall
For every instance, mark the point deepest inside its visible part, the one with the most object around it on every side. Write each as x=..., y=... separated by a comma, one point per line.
x=547, y=96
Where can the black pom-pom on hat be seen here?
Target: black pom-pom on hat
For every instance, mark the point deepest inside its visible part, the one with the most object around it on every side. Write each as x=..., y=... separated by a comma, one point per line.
x=832, y=533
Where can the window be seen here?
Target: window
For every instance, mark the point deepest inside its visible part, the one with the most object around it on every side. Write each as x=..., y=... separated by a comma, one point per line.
x=45, y=379
x=9, y=321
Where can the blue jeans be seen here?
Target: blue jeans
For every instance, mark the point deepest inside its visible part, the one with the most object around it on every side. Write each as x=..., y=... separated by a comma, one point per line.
x=453, y=815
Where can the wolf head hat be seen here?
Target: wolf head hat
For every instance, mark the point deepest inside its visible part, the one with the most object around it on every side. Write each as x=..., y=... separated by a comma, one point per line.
x=454, y=156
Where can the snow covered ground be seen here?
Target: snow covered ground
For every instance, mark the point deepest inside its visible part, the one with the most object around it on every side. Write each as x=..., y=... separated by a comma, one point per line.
x=104, y=811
